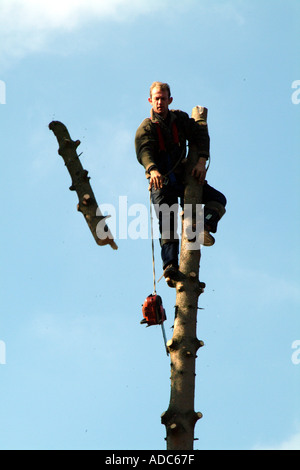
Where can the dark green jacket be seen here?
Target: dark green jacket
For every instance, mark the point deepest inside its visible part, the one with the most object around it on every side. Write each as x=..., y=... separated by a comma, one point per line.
x=149, y=150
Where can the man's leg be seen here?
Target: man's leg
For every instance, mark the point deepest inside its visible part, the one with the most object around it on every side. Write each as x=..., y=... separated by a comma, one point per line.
x=165, y=203
x=214, y=209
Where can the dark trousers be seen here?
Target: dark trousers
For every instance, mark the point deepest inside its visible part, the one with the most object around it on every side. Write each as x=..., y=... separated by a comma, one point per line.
x=169, y=194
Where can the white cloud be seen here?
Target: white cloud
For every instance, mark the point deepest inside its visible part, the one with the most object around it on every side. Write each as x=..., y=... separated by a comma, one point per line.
x=292, y=443
x=26, y=25
x=21, y=15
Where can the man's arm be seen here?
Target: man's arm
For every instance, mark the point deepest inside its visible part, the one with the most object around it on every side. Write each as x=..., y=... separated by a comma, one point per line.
x=145, y=145
x=199, y=171
x=156, y=179
x=198, y=135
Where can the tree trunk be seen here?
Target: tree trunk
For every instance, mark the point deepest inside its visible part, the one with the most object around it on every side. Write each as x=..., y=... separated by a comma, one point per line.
x=180, y=418
x=80, y=183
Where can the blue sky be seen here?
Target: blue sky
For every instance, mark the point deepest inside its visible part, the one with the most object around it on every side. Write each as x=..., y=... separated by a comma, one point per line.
x=78, y=370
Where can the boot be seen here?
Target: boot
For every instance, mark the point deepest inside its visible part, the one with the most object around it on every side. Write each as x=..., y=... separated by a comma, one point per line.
x=171, y=274
x=208, y=239
x=211, y=219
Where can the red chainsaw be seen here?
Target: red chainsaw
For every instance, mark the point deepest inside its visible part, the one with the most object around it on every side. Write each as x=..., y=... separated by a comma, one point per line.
x=155, y=314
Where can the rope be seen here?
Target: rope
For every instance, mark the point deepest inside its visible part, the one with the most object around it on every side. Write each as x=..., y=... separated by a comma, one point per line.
x=153, y=257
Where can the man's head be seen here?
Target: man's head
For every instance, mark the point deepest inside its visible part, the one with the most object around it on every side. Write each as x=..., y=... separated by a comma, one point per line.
x=160, y=98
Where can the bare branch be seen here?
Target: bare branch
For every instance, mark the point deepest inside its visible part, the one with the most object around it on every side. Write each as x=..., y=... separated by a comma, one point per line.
x=87, y=203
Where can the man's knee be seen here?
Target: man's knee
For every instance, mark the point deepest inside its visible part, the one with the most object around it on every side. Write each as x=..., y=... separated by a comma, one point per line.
x=217, y=207
x=212, y=194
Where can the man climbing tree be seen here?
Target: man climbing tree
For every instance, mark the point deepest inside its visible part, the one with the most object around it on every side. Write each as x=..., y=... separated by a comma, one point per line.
x=160, y=144
x=161, y=149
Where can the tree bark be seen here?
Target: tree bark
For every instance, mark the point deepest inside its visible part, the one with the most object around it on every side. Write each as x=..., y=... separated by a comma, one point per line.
x=80, y=183
x=180, y=418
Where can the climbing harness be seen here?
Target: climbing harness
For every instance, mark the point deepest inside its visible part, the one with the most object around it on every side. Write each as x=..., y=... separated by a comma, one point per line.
x=161, y=141
x=162, y=148
x=152, y=309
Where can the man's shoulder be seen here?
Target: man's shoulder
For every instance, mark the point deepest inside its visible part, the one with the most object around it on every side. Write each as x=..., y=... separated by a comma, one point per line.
x=146, y=122
x=144, y=128
x=179, y=114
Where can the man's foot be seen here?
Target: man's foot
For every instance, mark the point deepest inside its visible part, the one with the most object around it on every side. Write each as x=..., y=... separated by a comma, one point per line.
x=171, y=274
x=208, y=239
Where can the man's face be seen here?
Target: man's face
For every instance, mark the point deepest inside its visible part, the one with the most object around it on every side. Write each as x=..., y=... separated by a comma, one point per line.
x=160, y=101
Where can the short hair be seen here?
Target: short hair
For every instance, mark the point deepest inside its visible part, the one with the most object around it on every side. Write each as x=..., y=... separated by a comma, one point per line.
x=162, y=86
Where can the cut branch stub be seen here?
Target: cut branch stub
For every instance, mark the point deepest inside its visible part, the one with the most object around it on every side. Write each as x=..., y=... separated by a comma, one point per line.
x=87, y=204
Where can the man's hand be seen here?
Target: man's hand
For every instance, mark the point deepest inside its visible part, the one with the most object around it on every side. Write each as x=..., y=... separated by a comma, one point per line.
x=156, y=179
x=199, y=171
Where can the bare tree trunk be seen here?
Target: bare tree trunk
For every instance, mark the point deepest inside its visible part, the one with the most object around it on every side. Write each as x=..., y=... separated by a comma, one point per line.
x=180, y=418
x=80, y=183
